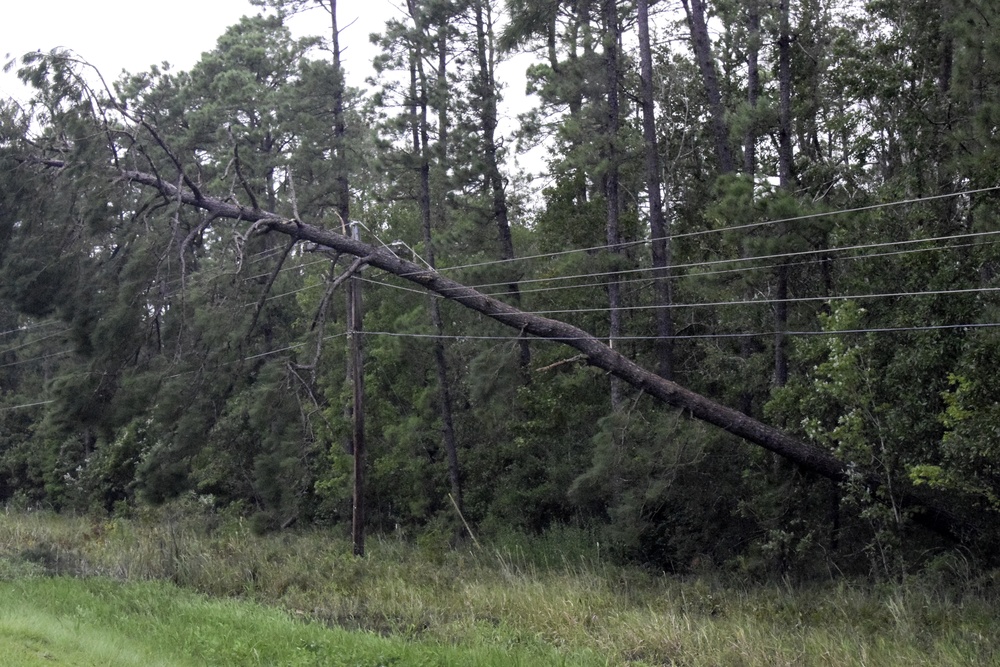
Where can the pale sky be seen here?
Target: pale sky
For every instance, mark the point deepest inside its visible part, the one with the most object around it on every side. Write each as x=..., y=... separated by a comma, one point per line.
x=118, y=34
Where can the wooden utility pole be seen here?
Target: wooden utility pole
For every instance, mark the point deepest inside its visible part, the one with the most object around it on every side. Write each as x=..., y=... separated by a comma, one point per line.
x=354, y=333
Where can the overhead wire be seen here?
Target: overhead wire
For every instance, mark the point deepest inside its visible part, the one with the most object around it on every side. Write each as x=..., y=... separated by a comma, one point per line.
x=26, y=361
x=701, y=274
x=389, y=246
x=768, y=301
x=32, y=342
x=670, y=237
x=27, y=328
x=736, y=334
x=26, y=405
x=737, y=260
x=715, y=262
x=673, y=276
x=263, y=255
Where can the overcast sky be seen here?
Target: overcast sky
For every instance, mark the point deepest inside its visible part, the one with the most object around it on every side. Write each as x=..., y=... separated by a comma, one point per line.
x=118, y=34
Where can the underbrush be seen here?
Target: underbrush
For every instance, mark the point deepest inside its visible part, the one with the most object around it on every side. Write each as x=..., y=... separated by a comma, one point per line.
x=556, y=591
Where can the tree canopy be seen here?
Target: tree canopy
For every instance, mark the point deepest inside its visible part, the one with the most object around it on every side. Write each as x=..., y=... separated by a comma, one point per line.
x=749, y=318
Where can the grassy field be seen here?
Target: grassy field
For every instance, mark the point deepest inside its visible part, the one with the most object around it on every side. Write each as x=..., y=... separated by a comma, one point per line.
x=187, y=589
x=96, y=621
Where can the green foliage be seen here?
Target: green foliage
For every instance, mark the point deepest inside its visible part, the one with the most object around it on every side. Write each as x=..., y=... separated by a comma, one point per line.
x=149, y=352
x=969, y=445
x=652, y=489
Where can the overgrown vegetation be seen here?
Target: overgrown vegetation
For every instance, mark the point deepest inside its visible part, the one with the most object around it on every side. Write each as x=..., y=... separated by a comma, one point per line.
x=801, y=229
x=555, y=599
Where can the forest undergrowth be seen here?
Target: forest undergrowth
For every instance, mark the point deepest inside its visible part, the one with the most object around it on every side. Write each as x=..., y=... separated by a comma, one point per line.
x=558, y=590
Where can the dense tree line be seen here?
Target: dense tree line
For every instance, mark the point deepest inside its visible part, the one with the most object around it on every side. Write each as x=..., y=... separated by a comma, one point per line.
x=788, y=208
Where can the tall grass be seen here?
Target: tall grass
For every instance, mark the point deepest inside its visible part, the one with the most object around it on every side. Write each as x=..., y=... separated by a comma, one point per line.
x=555, y=591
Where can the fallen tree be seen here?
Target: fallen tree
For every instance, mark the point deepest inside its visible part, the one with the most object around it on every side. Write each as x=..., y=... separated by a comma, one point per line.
x=925, y=507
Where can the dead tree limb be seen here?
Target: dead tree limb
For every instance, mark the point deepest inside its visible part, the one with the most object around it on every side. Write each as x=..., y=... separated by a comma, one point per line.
x=270, y=283
x=927, y=509
x=320, y=319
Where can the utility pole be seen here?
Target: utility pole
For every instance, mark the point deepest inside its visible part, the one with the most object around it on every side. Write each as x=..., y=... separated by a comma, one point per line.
x=354, y=333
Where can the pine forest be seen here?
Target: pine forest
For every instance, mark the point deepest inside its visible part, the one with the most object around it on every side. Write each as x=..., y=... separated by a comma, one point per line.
x=743, y=314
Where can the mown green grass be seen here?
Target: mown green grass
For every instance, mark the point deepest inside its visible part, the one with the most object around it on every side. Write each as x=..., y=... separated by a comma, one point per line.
x=96, y=621
x=540, y=601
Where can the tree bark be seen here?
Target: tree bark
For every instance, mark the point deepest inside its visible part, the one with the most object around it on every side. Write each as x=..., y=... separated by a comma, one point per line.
x=753, y=87
x=420, y=91
x=660, y=241
x=493, y=184
x=341, y=184
x=785, y=182
x=750, y=160
x=612, y=191
x=695, y=10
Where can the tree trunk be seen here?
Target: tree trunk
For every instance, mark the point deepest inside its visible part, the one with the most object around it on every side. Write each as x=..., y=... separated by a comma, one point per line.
x=493, y=180
x=341, y=183
x=753, y=87
x=612, y=192
x=695, y=10
x=658, y=229
x=420, y=90
x=750, y=161
x=785, y=181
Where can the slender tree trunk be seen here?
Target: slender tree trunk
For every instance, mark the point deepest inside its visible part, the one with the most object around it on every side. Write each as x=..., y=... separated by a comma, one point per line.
x=341, y=183
x=578, y=33
x=785, y=166
x=785, y=181
x=753, y=87
x=695, y=10
x=658, y=229
x=750, y=159
x=420, y=90
x=493, y=179
x=612, y=183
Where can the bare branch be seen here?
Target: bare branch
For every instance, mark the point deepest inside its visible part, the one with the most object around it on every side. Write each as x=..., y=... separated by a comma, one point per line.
x=239, y=170
x=291, y=189
x=571, y=360
x=270, y=283
x=321, y=309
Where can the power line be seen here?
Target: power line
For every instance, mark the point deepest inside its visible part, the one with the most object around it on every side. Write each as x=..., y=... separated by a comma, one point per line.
x=32, y=342
x=383, y=283
x=26, y=361
x=716, y=262
x=250, y=259
x=701, y=274
x=764, y=302
x=672, y=276
x=26, y=405
x=679, y=236
x=294, y=346
x=704, y=273
x=703, y=232
x=740, y=334
x=26, y=328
